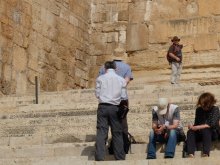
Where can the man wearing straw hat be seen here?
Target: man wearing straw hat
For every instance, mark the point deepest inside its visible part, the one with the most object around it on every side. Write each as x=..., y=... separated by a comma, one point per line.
x=166, y=128
x=174, y=56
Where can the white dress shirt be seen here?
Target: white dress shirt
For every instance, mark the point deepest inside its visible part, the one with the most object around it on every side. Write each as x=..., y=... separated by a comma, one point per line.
x=110, y=88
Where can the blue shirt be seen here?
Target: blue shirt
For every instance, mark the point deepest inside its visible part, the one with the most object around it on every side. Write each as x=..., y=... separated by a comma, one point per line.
x=110, y=88
x=122, y=69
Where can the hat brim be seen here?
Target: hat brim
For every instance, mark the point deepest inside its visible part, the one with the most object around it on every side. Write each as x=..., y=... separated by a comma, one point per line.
x=175, y=40
x=163, y=111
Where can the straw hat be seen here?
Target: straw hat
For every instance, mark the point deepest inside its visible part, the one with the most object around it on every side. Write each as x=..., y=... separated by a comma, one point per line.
x=175, y=38
x=162, y=106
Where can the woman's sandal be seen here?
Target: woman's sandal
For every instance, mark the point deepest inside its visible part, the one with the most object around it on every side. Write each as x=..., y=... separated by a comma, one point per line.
x=191, y=156
x=205, y=155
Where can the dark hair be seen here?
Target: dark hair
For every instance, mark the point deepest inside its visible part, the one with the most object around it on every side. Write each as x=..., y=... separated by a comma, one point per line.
x=206, y=101
x=110, y=65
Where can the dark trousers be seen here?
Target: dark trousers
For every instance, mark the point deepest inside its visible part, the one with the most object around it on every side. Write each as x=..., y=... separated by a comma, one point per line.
x=203, y=135
x=107, y=116
x=124, y=121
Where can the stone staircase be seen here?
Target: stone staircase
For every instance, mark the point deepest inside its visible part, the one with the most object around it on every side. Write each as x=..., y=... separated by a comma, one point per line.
x=61, y=128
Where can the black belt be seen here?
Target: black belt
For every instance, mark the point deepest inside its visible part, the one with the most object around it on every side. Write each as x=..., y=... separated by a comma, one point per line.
x=108, y=104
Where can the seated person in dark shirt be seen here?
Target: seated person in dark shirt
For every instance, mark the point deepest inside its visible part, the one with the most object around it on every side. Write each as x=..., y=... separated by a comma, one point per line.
x=206, y=119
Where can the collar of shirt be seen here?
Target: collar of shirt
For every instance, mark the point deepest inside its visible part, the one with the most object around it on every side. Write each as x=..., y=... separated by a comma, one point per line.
x=111, y=70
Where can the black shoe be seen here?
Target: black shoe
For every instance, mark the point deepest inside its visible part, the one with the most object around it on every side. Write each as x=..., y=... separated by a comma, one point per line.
x=168, y=157
x=151, y=157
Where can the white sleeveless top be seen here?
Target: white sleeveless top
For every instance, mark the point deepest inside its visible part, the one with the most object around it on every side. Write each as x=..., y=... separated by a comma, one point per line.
x=167, y=117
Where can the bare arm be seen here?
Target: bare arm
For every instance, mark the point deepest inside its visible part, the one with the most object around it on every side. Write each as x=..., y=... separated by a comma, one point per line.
x=127, y=79
x=174, y=57
x=174, y=125
x=198, y=127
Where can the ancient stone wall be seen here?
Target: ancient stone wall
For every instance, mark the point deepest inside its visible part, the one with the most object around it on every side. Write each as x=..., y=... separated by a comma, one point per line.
x=44, y=38
x=64, y=42
x=142, y=30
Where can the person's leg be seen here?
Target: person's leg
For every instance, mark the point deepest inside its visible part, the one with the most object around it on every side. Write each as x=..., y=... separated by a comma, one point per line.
x=179, y=71
x=125, y=129
x=117, y=134
x=151, y=149
x=206, y=139
x=124, y=121
x=191, y=142
x=102, y=133
x=174, y=72
x=171, y=144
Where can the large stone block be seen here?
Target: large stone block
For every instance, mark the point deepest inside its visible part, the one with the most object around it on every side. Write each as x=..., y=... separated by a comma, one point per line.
x=21, y=85
x=209, y=8
x=19, y=59
x=206, y=42
x=137, y=12
x=7, y=30
x=137, y=37
x=163, y=9
x=185, y=27
x=123, y=15
x=158, y=32
x=146, y=60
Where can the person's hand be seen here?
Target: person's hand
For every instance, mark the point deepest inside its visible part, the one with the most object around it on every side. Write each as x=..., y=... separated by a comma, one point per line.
x=190, y=126
x=160, y=129
x=177, y=59
x=193, y=128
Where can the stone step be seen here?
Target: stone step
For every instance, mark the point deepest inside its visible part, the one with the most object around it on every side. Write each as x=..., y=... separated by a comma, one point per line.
x=81, y=151
x=60, y=111
x=59, y=123
x=190, y=91
x=70, y=161
x=62, y=128
x=188, y=75
x=132, y=159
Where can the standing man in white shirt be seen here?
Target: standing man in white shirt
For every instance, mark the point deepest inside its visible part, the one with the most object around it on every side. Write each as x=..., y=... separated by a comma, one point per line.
x=110, y=90
x=123, y=70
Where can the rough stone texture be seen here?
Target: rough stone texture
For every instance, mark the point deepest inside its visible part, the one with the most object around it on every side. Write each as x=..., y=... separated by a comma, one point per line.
x=149, y=26
x=64, y=42
x=48, y=39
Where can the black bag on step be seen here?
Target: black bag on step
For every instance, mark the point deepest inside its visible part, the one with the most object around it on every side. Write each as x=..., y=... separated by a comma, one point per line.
x=128, y=139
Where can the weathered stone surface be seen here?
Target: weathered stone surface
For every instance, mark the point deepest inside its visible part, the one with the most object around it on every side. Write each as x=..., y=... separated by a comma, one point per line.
x=137, y=37
x=209, y=8
x=34, y=32
x=210, y=42
x=66, y=38
x=195, y=22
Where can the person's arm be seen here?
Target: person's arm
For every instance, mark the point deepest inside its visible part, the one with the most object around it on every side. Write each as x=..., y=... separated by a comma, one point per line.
x=154, y=120
x=197, y=125
x=176, y=119
x=171, y=53
x=101, y=71
x=124, y=94
x=98, y=88
x=213, y=118
x=128, y=75
x=158, y=129
x=174, y=56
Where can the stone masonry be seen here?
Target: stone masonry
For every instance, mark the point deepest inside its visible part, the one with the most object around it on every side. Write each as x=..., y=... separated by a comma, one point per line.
x=142, y=29
x=64, y=42
x=48, y=39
